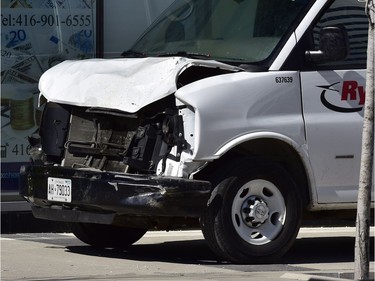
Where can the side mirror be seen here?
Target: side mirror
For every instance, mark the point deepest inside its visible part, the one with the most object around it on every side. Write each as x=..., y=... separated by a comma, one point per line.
x=333, y=46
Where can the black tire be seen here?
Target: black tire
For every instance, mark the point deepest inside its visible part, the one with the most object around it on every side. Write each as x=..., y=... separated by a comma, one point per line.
x=106, y=236
x=254, y=213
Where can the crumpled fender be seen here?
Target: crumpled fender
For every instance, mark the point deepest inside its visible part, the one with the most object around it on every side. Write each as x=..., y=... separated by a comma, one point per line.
x=125, y=84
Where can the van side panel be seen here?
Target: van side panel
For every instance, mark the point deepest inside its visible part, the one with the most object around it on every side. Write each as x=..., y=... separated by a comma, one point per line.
x=232, y=105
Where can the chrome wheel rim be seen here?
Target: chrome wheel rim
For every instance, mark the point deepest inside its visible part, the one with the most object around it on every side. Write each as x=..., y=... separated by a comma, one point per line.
x=258, y=212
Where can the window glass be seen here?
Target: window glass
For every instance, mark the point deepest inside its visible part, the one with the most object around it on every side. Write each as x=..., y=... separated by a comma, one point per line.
x=35, y=35
x=348, y=14
x=238, y=31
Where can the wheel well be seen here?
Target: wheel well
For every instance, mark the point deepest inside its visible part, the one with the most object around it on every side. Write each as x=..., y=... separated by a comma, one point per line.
x=271, y=149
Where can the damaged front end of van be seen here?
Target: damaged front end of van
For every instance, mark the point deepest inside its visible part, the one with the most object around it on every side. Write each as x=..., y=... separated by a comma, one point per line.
x=115, y=142
x=194, y=126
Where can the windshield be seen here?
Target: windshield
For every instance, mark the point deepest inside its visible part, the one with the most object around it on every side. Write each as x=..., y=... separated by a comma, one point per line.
x=243, y=31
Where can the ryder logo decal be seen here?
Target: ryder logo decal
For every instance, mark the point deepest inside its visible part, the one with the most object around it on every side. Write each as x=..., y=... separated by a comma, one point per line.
x=352, y=96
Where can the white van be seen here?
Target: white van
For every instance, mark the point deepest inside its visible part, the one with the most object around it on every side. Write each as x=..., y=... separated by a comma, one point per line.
x=237, y=114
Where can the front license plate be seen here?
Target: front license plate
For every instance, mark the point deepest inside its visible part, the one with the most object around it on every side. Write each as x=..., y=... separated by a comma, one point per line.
x=59, y=190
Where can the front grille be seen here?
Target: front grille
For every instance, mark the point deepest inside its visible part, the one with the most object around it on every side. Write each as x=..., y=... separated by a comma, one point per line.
x=99, y=141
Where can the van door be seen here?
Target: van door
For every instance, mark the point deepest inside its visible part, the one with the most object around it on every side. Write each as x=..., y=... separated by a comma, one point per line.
x=333, y=95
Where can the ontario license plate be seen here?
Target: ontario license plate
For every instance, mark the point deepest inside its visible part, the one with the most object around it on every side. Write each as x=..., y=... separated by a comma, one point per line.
x=59, y=190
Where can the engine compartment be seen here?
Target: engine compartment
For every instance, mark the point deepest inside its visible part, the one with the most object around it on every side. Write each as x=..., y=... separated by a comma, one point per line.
x=109, y=140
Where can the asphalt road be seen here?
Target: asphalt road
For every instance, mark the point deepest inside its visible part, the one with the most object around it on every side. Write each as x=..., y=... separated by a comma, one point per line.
x=318, y=254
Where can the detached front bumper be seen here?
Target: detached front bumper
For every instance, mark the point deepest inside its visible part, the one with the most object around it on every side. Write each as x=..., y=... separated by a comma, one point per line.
x=98, y=197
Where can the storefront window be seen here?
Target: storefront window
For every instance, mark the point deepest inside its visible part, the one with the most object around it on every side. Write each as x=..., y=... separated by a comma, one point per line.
x=35, y=35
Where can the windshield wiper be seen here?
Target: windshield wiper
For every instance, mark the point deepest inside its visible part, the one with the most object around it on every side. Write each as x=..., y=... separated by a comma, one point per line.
x=185, y=54
x=133, y=54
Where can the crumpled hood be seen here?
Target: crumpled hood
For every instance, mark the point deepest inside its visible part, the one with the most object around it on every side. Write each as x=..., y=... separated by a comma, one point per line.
x=123, y=84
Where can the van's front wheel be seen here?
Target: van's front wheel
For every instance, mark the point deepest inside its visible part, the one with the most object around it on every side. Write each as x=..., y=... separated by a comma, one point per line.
x=254, y=213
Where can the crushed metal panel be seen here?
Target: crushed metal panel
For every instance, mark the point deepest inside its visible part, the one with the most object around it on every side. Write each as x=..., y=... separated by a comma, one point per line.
x=123, y=84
